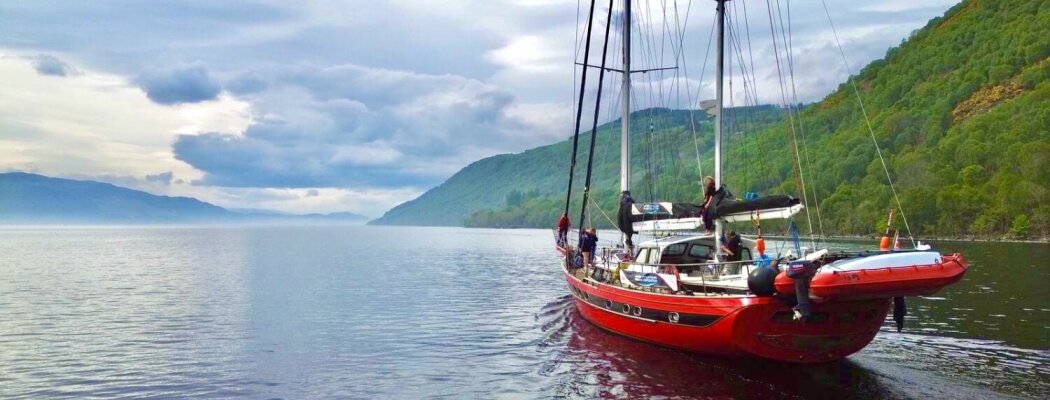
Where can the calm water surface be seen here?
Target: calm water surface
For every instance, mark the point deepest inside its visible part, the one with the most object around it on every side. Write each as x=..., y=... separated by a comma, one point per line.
x=385, y=312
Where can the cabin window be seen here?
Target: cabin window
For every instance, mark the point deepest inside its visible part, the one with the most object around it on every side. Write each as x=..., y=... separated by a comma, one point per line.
x=700, y=251
x=643, y=256
x=676, y=249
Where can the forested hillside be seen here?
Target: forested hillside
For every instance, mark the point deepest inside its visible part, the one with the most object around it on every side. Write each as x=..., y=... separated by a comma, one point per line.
x=961, y=111
x=539, y=175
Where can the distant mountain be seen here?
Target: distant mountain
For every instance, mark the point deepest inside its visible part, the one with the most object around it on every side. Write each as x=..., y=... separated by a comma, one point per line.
x=272, y=214
x=30, y=199
x=960, y=110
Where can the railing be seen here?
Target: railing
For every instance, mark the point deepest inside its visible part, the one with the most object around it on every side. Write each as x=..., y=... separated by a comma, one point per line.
x=709, y=270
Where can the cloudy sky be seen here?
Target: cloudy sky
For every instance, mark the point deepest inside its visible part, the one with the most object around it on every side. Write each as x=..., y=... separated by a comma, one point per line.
x=340, y=105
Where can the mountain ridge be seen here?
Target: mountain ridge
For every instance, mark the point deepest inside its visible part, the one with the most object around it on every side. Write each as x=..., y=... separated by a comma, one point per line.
x=27, y=198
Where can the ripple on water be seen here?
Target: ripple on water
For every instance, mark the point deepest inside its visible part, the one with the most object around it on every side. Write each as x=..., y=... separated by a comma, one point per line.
x=379, y=312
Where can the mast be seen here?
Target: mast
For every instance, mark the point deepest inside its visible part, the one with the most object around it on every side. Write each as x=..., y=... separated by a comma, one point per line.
x=718, y=116
x=625, y=120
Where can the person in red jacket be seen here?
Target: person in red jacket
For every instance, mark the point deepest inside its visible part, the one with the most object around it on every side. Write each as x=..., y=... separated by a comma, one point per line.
x=563, y=230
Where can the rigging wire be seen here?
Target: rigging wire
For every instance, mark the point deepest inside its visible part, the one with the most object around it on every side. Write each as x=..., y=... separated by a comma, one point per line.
x=754, y=87
x=801, y=129
x=579, y=109
x=791, y=118
x=645, y=49
x=679, y=59
x=699, y=85
x=597, y=108
x=594, y=204
x=748, y=87
x=793, y=110
x=868, y=122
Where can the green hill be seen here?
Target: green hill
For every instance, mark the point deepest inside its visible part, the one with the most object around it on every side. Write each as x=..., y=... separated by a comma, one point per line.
x=540, y=174
x=961, y=111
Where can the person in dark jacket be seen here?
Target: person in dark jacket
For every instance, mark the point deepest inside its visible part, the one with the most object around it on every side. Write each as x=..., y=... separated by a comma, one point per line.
x=588, y=245
x=732, y=247
x=709, y=199
x=624, y=219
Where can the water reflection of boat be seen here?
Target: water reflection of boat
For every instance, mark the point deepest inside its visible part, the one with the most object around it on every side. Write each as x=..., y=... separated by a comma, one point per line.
x=608, y=365
x=680, y=291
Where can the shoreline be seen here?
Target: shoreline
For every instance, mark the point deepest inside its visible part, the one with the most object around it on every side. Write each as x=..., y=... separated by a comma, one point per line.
x=924, y=239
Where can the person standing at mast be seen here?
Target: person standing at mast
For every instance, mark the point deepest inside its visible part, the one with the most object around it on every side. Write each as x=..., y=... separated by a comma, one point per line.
x=563, y=230
x=709, y=196
x=624, y=220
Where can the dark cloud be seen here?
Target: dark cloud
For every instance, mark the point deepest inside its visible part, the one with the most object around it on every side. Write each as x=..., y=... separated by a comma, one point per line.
x=163, y=178
x=244, y=161
x=350, y=125
x=49, y=65
x=184, y=84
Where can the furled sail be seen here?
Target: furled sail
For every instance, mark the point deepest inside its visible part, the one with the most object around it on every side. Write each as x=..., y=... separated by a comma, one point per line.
x=658, y=216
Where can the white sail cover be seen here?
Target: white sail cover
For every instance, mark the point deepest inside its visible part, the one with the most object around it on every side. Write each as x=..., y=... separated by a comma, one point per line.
x=694, y=223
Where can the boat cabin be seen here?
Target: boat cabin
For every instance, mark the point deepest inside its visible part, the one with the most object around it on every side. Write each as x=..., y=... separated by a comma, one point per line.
x=694, y=249
x=693, y=257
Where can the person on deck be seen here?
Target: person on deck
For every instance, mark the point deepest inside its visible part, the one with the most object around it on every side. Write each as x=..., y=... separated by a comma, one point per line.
x=732, y=247
x=709, y=196
x=624, y=223
x=588, y=244
x=563, y=230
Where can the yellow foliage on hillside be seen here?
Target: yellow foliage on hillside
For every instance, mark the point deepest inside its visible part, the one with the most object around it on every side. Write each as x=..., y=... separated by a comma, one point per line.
x=984, y=99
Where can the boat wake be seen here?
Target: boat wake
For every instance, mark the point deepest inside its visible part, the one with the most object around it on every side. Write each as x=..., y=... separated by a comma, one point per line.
x=579, y=360
x=986, y=363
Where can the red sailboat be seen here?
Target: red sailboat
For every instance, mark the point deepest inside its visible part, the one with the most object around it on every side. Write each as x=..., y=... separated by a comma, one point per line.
x=679, y=291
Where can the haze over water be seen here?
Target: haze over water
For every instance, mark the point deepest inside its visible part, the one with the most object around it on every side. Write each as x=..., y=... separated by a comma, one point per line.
x=391, y=312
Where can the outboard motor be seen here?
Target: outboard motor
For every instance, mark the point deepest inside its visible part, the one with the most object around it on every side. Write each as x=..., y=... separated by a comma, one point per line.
x=802, y=272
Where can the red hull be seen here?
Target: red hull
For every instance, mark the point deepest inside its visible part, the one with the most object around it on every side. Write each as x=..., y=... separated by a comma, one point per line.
x=732, y=326
x=917, y=280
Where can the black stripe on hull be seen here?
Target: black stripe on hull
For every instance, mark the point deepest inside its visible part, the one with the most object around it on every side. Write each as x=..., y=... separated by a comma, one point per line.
x=633, y=311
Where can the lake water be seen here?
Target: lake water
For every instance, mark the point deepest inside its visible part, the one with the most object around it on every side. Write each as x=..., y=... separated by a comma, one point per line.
x=391, y=312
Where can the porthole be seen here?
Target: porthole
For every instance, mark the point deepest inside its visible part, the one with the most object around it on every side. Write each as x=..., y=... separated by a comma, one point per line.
x=673, y=317
x=637, y=311
x=626, y=309
x=608, y=304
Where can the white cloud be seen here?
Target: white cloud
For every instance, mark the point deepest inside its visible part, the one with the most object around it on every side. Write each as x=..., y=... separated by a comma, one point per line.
x=367, y=202
x=97, y=122
x=529, y=53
